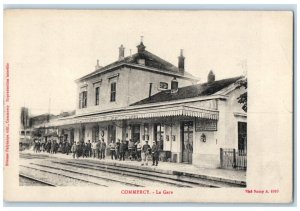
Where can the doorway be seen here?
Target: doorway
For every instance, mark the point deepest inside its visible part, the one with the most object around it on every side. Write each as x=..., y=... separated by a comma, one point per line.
x=242, y=136
x=95, y=133
x=187, y=141
x=135, y=135
x=111, y=134
x=82, y=133
x=72, y=136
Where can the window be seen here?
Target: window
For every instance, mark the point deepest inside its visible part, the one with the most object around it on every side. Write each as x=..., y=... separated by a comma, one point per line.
x=159, y=131
x=242, y=136
x=97, y=91
x=113, y=87
x=163, y=85
x=95, y=133
x=83, y=99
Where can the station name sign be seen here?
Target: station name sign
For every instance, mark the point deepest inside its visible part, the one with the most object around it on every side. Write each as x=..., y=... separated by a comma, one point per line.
x=206, y=125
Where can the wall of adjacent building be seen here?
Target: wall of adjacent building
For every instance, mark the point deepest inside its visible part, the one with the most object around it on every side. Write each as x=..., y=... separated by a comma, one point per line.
x=207, y=154
x=233, y=109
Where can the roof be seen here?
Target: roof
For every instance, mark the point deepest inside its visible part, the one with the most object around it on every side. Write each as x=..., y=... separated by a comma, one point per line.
x=151, y=61
x=197, y=90
x=139, y=113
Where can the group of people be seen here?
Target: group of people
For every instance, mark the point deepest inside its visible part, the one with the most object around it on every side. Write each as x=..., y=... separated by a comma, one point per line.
x=97, y=149
x=51, y=146
x=134, y=151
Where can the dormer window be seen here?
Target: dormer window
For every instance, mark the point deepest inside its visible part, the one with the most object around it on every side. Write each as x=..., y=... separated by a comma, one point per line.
x=163, y=85
x=141, y=61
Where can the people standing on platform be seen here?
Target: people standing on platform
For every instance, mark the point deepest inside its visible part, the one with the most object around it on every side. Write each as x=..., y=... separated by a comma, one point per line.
x=36, y=146
x=79, y=149
x=52, y=147
x=117, y=150
x=42, y=145
x=138, y=150
x=145, y=153
x=89, y=149
x=122, y=148
x=155, y=153
x=60, y=147
x=131, y=149
x=84, y=150
x=94, y=149
x=102, y=148
x=67, y=147
x=56, y=147
x=48, y=146
x=112, y=147
x=74, y=149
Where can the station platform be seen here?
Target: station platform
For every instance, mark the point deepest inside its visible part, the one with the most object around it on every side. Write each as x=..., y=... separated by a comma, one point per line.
x=222, y=175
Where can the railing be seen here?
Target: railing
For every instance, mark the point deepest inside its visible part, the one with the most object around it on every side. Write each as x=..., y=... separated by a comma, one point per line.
x=233, y=159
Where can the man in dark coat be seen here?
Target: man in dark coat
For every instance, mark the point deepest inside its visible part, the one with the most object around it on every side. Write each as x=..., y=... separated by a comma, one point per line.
x=67, y=147
x=122, y=148
x=117, y=149
x=102, y=149
x=89, y=149
x=155, y=153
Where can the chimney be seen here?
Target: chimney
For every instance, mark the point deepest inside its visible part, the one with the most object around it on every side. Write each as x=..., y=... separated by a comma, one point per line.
x=181, y=62
x=141, y=48
x=97, y=67
x=121, y=52
x=174, y=86
x=211, y=77
x=150, y=90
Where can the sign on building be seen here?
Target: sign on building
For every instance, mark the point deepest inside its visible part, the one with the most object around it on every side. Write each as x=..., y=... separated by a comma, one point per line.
x=206, y=125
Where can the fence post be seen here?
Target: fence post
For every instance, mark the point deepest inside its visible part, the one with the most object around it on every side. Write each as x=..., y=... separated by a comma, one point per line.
x=221, y=157
x=234, y=159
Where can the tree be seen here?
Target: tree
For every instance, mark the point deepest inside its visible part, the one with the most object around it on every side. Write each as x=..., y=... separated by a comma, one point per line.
x=242, y=99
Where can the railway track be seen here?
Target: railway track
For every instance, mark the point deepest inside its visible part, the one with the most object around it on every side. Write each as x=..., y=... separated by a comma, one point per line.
x=149, y=173
x=150, y=176
x=88, y=175
x=58, y=178
x=36, y=181
x=50, y=171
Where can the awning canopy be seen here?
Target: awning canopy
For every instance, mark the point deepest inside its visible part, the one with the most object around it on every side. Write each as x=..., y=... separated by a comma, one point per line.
x=140, y=113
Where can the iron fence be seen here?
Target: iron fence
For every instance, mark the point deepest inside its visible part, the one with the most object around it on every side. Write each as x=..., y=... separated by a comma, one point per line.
x=233, y=159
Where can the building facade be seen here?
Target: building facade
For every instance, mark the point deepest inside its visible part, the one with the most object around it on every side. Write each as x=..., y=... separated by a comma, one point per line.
x=145, y=98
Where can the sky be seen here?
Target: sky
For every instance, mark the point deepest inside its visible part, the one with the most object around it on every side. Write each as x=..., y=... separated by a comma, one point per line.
x=47, y=51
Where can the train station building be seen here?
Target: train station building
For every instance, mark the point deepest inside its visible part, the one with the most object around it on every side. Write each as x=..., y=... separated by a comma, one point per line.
x=145, y=98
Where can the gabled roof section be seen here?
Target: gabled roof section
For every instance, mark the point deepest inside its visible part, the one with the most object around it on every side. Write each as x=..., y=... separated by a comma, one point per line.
x=151, y=61
x=198, y=90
